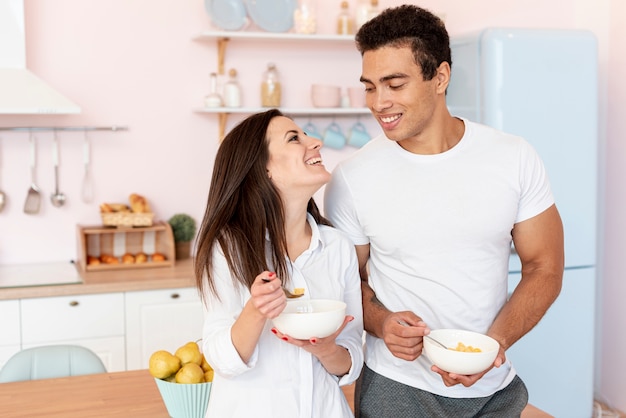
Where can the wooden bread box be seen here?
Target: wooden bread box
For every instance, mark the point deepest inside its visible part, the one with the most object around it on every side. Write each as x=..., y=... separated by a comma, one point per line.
x=102, y=248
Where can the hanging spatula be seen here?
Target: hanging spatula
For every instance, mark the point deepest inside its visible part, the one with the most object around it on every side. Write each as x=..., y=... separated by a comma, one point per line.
x=33, y=198
x=87, y=189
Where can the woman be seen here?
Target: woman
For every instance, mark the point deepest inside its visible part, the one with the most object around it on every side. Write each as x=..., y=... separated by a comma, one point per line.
x=262, y=231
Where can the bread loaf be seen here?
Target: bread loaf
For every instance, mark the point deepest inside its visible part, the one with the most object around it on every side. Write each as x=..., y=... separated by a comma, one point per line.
x=139, y=204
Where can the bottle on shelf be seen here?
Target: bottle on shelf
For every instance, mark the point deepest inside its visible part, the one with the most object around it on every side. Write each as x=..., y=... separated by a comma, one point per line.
x=213, y=99
x=270, y=87
x=305, y=17
x=232, y=91
x=365, y=10
x=345, y=23
x=374, y=10
x=361, y=13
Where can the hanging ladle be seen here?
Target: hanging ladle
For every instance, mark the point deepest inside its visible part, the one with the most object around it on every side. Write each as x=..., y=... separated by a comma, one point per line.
x=57, y=198
x=33, y=198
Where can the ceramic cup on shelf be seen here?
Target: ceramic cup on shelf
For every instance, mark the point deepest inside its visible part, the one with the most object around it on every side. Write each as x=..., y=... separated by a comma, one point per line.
x=333, y=137
x=357, y=96
x=311, y=130
x=358, y=135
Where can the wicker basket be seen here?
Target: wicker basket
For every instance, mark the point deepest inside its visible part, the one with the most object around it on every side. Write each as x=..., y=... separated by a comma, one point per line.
x=127, y=219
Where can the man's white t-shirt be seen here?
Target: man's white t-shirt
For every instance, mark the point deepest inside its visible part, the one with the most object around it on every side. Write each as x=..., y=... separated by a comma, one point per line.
x=439, y=228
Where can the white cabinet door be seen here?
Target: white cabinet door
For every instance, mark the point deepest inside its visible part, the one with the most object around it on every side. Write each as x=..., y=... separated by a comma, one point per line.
x=9, y=329
x=94, y=321
x=111, y=350
x=160, y=320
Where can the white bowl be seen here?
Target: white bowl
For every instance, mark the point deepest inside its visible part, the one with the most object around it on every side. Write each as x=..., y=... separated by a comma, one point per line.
x=460, y=362
x=307, y=318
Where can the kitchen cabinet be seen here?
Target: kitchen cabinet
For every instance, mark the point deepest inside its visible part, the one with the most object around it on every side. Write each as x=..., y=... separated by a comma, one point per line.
x=224, y=38
x=9, y=329
x=160, y=320
x=93, y=321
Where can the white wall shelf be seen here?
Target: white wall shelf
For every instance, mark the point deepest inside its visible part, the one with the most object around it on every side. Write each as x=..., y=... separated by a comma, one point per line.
x=223, y=112
x=212, y=35
x=300, y=111
x=223, y=37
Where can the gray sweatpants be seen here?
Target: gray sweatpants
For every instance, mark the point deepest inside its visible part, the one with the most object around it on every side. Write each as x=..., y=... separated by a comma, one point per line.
x=376, y=396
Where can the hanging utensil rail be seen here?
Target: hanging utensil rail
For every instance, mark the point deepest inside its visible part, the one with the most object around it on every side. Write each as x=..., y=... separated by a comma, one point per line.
x=64, y=128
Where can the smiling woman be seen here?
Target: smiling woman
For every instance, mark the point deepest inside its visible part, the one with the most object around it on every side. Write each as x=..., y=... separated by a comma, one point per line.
x=262, y=233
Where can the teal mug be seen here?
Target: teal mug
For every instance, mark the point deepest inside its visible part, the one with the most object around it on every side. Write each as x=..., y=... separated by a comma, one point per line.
x=311, y=130
x=358, y=135
x=333, y=138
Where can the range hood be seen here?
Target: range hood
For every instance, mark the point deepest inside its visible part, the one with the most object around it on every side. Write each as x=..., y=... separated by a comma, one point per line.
x=21, y=91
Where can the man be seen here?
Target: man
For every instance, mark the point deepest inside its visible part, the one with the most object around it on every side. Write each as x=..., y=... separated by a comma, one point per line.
x=432, y=206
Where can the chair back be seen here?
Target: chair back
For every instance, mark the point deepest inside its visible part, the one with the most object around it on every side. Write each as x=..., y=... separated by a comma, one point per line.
x=51, y=361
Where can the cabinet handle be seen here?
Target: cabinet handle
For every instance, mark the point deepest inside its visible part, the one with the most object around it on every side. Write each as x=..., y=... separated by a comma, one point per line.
x=74, y=303
x=174, y=295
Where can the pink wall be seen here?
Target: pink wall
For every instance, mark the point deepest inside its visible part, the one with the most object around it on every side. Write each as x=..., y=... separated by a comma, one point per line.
x=134, y=63
x=612, y=361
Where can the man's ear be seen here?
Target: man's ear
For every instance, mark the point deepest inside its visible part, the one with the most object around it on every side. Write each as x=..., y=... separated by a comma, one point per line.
x=443, y=77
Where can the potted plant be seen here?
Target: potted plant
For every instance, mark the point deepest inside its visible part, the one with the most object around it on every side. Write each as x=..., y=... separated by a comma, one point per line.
x=184, y=230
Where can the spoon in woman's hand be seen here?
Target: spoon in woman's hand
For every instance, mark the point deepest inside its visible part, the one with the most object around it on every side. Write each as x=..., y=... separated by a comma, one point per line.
x=287, y=292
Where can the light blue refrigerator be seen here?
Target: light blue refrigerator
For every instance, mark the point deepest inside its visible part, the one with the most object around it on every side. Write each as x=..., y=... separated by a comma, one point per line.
x=542, y=85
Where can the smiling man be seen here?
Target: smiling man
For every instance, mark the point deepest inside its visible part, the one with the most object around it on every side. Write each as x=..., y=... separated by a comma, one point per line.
x=433, y=206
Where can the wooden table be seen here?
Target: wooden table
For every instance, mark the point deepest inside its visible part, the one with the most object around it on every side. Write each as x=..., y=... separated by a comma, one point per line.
x=121, y=394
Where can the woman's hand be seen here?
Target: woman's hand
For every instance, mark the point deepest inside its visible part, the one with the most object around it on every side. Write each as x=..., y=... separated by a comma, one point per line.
x=335, y=358
x=267, y=296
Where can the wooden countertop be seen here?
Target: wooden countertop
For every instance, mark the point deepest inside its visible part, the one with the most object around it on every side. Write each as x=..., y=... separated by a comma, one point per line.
x=180, y=275
x=121, y=394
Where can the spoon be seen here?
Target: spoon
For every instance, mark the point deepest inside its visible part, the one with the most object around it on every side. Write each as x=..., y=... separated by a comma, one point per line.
x=437, y=342
x=57, y=198
x=404, y=324
x=287, y=292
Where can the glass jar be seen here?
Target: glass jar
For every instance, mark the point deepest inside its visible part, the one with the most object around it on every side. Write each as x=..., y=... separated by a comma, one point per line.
x=270, y=87
x=304, y=17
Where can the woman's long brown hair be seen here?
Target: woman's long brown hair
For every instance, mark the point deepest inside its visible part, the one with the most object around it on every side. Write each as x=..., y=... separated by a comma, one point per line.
x=243, y=206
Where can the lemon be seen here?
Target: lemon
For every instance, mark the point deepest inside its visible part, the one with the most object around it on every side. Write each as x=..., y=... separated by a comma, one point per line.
x=163, y=364
x=190, y=373
x=189, y=353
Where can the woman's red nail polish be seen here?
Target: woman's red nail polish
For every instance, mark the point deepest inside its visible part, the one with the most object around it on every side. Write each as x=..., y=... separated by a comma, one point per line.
x=274, y=330
x=285, y=339
x=313, y=341
x=272, y=274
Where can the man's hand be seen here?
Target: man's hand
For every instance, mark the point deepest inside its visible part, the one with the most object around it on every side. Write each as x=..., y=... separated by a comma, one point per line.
x=403, y=334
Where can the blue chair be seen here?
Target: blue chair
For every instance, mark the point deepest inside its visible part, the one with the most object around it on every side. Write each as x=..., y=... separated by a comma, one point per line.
x=47, y=362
